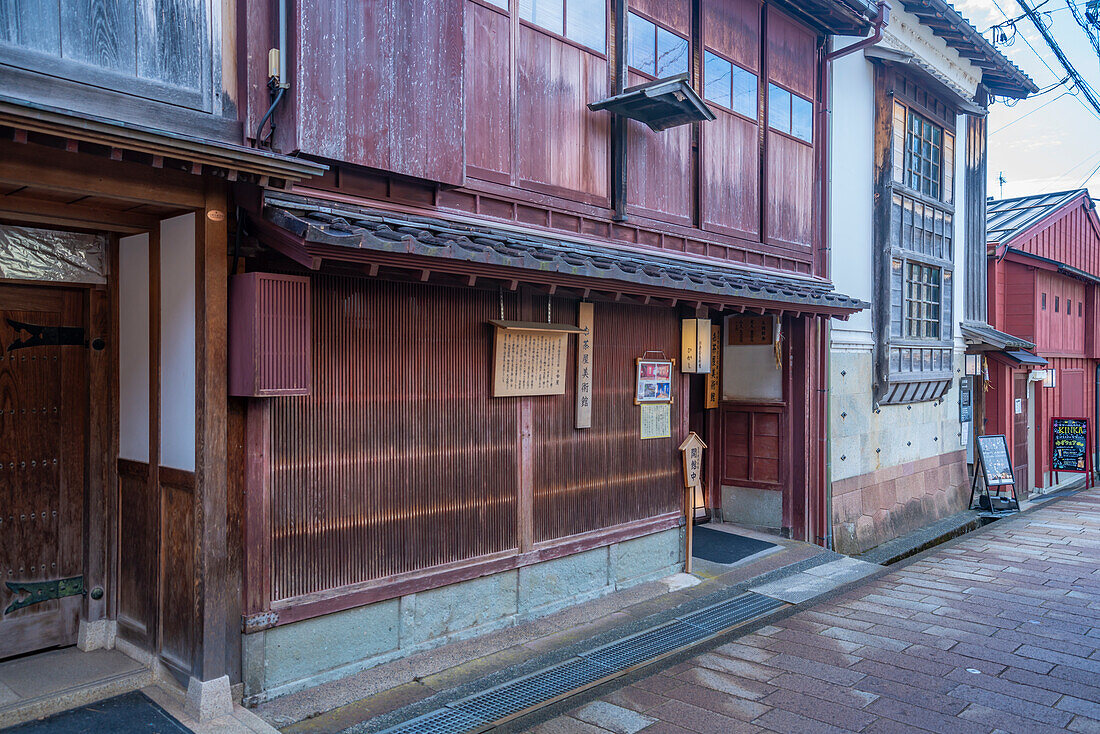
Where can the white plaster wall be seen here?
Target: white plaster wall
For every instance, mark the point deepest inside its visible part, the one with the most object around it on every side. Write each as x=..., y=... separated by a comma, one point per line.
x=851, y=191
x=869, y=441
x=177, y=347
x=133, y=347
x=905, y=32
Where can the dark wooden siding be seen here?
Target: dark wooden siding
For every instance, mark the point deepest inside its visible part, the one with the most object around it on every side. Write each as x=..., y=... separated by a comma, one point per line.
x=160, y=51
x=1060, y=331
x=488, y=93
x=594, y=478
x=753, y=446
x=730, y=152
x=792, y=63
x=398, y=460
x=561, y=146
x=380, y=84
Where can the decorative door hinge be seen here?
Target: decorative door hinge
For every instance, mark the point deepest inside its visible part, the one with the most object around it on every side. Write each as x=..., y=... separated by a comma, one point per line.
x=46, y=336
x=40, y=591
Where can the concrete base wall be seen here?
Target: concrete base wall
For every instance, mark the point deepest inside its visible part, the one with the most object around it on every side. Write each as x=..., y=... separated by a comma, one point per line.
x=895, y=469
x=876, y=507
x=762, y=508
x=295, y=656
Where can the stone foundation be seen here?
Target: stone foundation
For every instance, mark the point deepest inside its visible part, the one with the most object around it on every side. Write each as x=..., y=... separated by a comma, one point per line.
x=872, y=508
x=295, y=656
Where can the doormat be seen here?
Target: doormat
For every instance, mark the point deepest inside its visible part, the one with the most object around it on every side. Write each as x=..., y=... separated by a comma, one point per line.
x=721, y=547
x=130, y=713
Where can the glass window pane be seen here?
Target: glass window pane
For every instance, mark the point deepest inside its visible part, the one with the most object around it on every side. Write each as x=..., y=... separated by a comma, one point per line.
x=716, y=79
x=744, y=92
x=802, y=118
x=548, y=14
x=586, y=23
x=642, y=45
x=672, y=54
x=779, y=108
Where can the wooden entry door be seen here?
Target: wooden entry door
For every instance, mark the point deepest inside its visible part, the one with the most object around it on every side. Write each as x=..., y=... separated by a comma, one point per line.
x=43, y=395
x=1020, y=434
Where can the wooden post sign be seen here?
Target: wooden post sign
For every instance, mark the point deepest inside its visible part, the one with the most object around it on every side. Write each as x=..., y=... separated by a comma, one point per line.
x=529, y=358
x=692, y=450
x=1069, y=451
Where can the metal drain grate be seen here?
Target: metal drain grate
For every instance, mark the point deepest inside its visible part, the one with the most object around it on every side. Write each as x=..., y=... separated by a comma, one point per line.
x=726, y=614
x=531, y=690
x=482, y=709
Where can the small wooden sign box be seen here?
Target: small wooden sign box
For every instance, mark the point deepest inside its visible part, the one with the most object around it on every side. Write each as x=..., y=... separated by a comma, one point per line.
x=996, y=464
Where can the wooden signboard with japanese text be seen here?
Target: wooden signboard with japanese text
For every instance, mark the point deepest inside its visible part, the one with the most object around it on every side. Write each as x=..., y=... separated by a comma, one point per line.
x=715, y=374
x=584, y=365
x=529, y=358
x=750, y=330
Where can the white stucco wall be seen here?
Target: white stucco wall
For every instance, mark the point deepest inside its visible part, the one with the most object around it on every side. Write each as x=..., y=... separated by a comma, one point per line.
x=133, y=348
x=867, y=440
x=177, y=346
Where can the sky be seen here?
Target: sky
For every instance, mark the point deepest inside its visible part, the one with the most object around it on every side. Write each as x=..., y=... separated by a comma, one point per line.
x=1051, y=141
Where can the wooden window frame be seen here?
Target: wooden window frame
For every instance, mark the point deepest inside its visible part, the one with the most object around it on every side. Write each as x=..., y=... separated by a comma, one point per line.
x=920, y=325
x=708, y=50
x=926, y=171
x=564, y=37
x=657, y=25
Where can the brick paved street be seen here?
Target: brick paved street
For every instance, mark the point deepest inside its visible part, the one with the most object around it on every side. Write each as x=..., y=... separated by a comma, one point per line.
x=999, y=631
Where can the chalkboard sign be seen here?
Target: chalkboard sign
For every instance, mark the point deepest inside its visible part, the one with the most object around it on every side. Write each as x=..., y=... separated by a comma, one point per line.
x=996, y=463
x=1069, y=450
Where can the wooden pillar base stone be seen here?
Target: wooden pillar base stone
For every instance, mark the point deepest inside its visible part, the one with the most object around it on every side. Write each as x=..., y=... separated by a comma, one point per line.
x=208, y=699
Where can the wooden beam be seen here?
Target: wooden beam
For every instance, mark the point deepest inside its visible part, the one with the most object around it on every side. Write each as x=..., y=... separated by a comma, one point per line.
x=75, y=215
x=211, y=438
x=86, y=175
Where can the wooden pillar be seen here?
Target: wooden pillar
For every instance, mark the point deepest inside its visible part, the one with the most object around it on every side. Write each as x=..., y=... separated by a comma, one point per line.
x=208, y=692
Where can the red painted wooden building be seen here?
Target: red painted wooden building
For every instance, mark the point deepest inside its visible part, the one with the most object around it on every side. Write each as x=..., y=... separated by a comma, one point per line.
x=1044, y=286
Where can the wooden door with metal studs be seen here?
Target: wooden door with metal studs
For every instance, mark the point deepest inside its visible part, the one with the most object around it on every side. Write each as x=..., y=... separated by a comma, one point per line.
x=43, y=399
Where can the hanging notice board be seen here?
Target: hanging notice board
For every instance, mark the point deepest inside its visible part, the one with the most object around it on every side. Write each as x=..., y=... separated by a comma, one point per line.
x=529, y=358
x=1069, y=444
x=995, y=459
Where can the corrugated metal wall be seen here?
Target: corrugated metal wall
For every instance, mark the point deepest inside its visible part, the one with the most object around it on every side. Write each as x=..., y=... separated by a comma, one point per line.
x=605, y=475
x=398, y=460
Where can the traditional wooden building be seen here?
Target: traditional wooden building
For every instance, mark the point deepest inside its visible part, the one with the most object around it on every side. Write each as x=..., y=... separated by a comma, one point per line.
x=500, y=174
x=1044, y=273
x=120, y=150
x=910, y=109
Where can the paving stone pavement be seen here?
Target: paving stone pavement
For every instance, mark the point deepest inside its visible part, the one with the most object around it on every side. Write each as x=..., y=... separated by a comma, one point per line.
x=998, y=631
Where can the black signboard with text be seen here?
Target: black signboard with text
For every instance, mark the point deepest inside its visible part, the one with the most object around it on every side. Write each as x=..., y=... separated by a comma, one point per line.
x=996, y=469
x=966, y=400
x=1069, y=444
x=996, y=463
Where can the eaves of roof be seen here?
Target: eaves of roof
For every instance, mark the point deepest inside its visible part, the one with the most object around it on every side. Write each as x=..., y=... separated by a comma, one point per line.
x=999, y=75
x=986, y=334
x=312, y=231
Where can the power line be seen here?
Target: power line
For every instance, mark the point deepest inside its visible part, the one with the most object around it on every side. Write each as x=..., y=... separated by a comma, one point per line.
x=1033, y=49
x=1030, y=112
x=1083, y=162
x=1081, y=84
x=1086, y=179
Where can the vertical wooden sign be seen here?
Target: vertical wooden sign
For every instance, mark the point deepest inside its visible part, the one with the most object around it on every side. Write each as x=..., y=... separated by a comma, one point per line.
x=584, y=365
x=714, y=376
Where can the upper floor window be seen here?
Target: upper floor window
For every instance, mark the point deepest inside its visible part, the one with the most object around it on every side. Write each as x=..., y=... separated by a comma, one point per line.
x=924, y=153
x=727, y=84
x=654, y=50
x=790, y=113
x=922, y=315
x=583, y=21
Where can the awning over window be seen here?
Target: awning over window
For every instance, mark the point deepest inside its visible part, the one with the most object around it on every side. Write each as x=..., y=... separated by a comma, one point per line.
x=983, y=337
x=928, y=73
x=1020, y=357
x=311, y=231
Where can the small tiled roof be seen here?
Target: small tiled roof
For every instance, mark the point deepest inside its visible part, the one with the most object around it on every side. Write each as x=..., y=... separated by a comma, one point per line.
x=342, y=231
x=986, y=334
x=1007, y=218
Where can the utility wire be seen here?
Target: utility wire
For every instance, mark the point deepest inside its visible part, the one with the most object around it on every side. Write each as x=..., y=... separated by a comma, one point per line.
x=1086, y=179
x=1082, y=85
x=1030, y=112
x=1083, y=162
